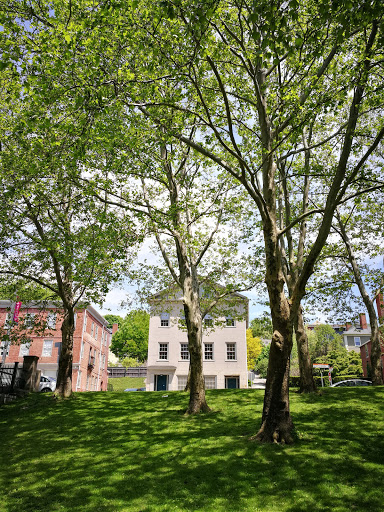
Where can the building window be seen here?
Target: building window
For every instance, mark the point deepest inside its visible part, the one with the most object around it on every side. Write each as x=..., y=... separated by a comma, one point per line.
x=85, y=321
x=8, y=323
x=210, y=382
x=81, y=350
x=92, y=328
x=208, y=322
x=357, y=341
x=47, y=348
x=78, y=382
x=51, y=321
x=230, y=322
x=208, y=351
x=231, y=351
x=164, y=320
x=366, y=351
x=96, y=331
x=163, y=351
x=75, y=320
x=2, y=348
x=87, y=384
x=24, y=349
x=103, y=362
x=29, y=320
x=181, y=382
x=184, y=352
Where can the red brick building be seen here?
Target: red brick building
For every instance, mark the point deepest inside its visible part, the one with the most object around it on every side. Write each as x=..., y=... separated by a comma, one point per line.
x=365, y=349
x=91, y=342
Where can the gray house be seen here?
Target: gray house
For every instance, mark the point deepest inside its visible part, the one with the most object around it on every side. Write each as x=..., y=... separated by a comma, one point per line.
x=356, y=335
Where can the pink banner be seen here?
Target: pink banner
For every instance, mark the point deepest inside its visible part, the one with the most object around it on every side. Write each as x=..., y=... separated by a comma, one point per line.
x=17, y=311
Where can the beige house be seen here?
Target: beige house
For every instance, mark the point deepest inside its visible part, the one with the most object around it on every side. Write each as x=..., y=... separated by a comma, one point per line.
x=224, y=347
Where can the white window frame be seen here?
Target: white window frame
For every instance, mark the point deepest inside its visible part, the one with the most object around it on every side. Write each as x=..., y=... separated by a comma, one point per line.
x=51, y=320
x=210, y=382
x=181, y=382
x=2, y=346
x=82, y=350
x=78, y=381
x=208, y=321
x=92, y=328
x=45, y=352
x=85, y=322
x=209, y=351
x=357, y=341
x=231, y=353
x=8, y=321
x=184, y=352
x=230, y=322
x=24, y=349
x=163, y=351
x=29, y=320
x=96, y=331
x=164, y=320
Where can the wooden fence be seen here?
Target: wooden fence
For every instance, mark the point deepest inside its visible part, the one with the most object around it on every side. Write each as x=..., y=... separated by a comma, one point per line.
x=121, y=371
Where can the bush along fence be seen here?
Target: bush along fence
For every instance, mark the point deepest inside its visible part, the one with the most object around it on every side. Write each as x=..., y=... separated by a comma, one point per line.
x=121, y=371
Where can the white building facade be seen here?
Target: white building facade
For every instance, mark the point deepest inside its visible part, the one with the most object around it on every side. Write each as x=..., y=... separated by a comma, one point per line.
x=224, y=348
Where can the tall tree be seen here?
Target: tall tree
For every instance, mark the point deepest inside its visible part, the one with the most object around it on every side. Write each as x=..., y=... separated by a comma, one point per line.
x=252, y=77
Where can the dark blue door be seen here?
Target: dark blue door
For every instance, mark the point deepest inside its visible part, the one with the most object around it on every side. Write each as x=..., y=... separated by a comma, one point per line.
x=161, y=384
x=232, y=382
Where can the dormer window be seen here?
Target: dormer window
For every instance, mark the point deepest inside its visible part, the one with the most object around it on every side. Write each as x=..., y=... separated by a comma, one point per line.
x=230, y=322
x=164, y=320
x=208, y=322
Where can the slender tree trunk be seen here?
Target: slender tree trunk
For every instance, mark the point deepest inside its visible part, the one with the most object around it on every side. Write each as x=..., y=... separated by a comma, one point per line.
x=307, y=382
x=376, y=369
x=197, y=401
x=64, y=376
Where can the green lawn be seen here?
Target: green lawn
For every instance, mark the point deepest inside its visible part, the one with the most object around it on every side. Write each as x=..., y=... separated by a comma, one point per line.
x=121, y=452
x=121, y=383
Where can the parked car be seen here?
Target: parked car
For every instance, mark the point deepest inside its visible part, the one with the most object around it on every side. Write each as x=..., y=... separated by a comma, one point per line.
x=47, y=384
x=352, y=382
x=134, y=389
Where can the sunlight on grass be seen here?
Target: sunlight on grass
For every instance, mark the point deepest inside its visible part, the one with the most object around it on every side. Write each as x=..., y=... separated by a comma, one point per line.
x=123, y=452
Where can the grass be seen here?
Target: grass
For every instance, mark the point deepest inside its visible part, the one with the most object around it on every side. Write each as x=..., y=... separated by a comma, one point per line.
x=136, y=452
x=121, y=383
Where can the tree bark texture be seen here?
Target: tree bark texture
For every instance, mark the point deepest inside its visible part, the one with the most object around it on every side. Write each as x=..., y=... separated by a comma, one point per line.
x=197, y=400
x=277, y=425
x=307, y=382
x=64, y=376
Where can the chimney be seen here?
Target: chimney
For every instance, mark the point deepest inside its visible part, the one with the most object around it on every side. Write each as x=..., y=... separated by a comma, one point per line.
x=363, y=321
x=380, y=305
x=114, y=328
x=348, y=325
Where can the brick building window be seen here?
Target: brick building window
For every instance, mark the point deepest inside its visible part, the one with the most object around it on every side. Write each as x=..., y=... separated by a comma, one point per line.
x=47, y=348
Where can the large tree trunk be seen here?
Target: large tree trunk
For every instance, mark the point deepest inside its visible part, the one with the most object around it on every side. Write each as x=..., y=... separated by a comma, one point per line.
x=197, y=401
x=307, y=382
x=376, y=369
x=64, y=376
x=277, y=425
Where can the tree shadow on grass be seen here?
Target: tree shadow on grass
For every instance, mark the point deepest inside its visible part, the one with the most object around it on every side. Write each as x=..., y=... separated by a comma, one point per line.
x=136, y=452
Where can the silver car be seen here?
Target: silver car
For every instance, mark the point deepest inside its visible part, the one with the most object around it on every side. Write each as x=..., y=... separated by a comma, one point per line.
x=352, y=382
x=47, y=384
